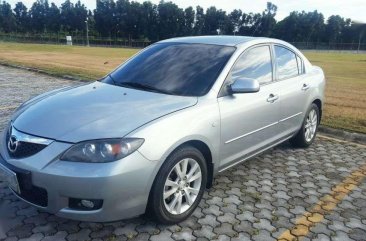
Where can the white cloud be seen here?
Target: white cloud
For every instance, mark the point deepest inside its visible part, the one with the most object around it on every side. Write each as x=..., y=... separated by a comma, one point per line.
x=354, y=9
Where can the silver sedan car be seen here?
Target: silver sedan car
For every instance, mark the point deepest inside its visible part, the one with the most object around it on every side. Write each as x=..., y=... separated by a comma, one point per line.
x=150, y=136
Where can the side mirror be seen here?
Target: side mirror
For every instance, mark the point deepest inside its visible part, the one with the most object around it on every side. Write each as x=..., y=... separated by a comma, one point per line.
x=244, y=85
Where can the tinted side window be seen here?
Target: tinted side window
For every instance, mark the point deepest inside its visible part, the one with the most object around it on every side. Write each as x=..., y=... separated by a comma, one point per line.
x=286, y=63
x=254, y=64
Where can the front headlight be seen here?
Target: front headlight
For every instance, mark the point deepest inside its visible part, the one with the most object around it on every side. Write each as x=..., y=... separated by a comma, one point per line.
x=99, y=151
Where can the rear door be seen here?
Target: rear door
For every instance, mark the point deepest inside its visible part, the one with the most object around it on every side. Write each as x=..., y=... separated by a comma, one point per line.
x=249, y=121
x=293, y=87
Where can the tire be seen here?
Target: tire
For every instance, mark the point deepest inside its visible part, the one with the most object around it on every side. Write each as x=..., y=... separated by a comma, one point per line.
x=303, y=138
x=166, y=210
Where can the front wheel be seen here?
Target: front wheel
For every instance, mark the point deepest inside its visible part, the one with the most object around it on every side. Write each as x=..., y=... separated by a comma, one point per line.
x=308, y=130
x=179, y=186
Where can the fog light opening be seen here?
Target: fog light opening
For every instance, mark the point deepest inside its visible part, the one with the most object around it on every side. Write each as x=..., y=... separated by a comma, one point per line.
x=85, y=204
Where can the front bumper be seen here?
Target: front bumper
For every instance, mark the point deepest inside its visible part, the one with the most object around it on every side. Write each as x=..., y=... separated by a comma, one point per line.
x=123, y=185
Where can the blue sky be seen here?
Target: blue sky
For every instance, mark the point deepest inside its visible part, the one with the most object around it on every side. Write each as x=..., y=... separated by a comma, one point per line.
x=354, y=9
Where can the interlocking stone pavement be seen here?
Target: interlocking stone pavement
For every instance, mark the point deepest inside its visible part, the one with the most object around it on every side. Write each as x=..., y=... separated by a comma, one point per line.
x=257, y=200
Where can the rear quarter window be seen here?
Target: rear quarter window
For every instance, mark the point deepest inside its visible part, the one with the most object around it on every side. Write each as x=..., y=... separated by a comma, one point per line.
x=287, y=64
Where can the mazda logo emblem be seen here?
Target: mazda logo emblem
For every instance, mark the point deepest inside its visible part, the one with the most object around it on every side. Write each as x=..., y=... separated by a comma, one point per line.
x=13, y=144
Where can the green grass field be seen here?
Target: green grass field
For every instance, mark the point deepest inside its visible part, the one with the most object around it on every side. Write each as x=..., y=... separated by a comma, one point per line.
x=345, y=106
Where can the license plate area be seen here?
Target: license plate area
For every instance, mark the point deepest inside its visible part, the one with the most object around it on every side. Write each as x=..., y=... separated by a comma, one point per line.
x=10, y=178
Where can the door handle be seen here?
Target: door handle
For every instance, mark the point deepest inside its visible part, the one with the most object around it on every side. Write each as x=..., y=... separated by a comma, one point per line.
x=272, y=98
x=305, y=87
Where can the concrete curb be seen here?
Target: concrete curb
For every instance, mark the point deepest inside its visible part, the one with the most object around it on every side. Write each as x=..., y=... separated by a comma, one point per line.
x=68, y=77
x=342, y=134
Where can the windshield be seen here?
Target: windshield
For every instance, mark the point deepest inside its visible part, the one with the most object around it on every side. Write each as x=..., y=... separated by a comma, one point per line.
x=173, y=68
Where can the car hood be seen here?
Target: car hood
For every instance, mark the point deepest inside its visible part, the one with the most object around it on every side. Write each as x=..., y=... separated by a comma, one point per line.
x=94, y=111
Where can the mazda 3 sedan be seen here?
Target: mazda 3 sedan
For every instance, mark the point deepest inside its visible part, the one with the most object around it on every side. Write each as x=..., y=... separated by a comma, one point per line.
x=150, y=136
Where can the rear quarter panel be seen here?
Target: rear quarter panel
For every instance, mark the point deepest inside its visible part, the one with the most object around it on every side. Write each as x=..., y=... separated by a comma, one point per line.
x=316, y=78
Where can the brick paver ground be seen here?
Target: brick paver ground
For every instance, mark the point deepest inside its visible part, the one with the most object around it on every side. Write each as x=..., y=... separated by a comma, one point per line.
x=319, y=192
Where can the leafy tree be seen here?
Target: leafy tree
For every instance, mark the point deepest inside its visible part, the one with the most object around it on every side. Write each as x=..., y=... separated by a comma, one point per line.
x=53, y=18
x=38, y=15
x=104, y=16
x=21, y=16
x=199, y=21
x=215, y=21
x=313, y=26
x=150, y=20
x=121, y=16
x=91, y=24
x=80, y=15
x=134, y=23
x=301, y=27
x=250, y=24
x=73, y=17
x=353, y=32
x=334, y=28
x=260, y=24
x=268, y=20
x=235, y=20
x=170, y=19
x=188, y=21
x=134, y=20
x=7, y=18
x=67, y=15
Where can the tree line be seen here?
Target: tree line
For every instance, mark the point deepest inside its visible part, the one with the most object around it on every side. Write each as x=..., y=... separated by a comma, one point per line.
x=130, y=19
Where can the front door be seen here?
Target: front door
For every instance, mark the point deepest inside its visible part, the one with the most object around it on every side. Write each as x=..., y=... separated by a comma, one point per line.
x=249, y=121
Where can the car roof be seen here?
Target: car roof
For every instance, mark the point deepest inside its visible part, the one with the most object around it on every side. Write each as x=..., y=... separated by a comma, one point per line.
x=236, y=41
x=215, y=39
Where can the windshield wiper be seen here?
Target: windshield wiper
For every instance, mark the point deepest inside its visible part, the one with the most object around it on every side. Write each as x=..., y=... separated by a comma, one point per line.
x=140, y=86
x=110, y=76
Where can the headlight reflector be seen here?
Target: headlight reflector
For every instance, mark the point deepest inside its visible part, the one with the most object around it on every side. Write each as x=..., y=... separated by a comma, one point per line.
x=99, y=151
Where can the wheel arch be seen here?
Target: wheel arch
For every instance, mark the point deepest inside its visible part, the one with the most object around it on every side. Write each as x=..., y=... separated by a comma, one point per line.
x=203, y=148
x=318, y=102
x=206, y=152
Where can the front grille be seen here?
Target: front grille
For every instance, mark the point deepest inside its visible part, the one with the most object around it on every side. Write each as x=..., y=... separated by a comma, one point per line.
x=24, y=149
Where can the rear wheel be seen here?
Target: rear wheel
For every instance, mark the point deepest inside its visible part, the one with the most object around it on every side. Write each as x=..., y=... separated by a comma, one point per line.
x=309, y=128
x=179, y=186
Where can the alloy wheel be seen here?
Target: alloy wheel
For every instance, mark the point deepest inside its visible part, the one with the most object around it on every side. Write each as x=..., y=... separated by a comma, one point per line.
x=182, y=186
x=310, y=125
